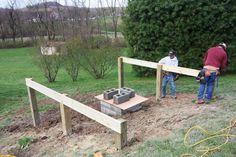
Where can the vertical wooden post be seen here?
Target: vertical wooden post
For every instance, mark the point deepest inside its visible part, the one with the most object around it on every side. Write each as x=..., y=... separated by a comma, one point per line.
x=120, y=72
x=66, y=119
x=158, y=81
x=121, y=138
x=33, y=106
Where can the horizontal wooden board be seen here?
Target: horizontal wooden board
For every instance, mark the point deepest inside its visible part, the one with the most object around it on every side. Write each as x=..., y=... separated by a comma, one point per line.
x=181, y=70
x=101, y=118
x=138, y=62
x=153, y=65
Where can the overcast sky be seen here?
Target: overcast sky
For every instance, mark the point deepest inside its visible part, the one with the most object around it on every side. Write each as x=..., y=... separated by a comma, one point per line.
x=23, y=3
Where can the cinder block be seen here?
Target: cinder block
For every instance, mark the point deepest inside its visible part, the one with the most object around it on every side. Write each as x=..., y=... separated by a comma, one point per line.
x=108, y=94
x=121, y=98
x=111, y=110
x=135, y=108
x=128, y=90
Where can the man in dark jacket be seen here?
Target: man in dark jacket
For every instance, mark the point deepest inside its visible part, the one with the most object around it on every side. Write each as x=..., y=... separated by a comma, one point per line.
x=214, y=60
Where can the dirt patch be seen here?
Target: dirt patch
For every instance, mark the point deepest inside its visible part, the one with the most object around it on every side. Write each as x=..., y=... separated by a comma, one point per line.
x=155, y=119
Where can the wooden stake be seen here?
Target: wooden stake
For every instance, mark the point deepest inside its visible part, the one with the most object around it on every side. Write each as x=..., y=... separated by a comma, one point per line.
x=66, y=119
x=33, y=106
x=120, y=72
x=121, y=139
x=158, y=82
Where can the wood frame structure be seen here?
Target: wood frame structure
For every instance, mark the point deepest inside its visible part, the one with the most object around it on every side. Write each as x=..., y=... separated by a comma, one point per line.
x=159, y=68
x=66, y=104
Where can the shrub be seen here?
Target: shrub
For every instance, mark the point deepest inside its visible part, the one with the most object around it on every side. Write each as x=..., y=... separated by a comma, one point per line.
x=99, y=56
x=49, y=64
x=72, y=54
x=188, y=26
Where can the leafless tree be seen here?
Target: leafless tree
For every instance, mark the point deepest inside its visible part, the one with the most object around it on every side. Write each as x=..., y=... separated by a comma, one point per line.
x=12, y=18
x=122, y=6
x=112, y=5
x=20, y=24
x=61, y=20
x=83, y=17
x=102, y=8
x=3, y=25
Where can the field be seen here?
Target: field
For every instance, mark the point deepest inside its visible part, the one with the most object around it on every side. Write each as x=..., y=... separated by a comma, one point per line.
x=156, y=130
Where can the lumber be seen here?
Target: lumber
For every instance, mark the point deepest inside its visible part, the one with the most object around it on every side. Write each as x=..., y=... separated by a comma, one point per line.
x=158, y=81
x=102, y=118
x=33, y=106
x=120, y=72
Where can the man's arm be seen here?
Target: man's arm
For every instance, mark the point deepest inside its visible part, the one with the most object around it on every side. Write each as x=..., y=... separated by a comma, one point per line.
x=224, y=61
x=162, y=61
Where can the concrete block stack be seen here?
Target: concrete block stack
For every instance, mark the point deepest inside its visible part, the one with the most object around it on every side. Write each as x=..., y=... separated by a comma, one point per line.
x=108, y=94
x=119, y=95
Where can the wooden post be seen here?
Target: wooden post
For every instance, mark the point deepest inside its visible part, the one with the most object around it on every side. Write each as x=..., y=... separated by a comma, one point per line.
x=120, y=72
x=121, y=138
x=158, y=82
x=66, y=118
x=33, y=106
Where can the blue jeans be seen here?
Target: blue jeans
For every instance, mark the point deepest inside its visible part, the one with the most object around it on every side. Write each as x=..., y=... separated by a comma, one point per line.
x=165, y=80
x=209, y=82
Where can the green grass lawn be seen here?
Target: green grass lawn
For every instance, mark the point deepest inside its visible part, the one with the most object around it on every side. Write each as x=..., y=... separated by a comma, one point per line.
x=17, y=64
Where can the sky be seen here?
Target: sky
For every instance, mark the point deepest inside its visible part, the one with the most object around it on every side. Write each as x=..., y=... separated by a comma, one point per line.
x=23, y=3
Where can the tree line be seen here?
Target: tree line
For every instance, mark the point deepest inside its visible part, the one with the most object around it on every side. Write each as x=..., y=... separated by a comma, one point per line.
x=52, y=20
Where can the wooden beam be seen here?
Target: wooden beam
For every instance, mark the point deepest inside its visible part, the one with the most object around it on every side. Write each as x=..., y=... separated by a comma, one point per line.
x=181, y=70
x=121, y=138
x=138, y=62
x=153, y=65
x=120, y=72
x=33, y=106
x=158, y=81
x=66, y=119
x=102, y=118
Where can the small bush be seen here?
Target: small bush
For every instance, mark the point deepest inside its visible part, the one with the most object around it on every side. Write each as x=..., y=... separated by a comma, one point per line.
x=72, y=54
x=24, y=142
x=49, y=64
x=99, y=57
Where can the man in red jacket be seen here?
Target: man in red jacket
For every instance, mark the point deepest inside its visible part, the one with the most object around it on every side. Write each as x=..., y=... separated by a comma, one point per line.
x=214, y=60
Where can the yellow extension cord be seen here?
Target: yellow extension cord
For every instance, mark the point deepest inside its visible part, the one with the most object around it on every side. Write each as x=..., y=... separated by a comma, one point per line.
x=205, y=149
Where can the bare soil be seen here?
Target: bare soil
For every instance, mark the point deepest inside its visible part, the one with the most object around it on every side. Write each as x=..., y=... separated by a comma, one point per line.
x=155, y=119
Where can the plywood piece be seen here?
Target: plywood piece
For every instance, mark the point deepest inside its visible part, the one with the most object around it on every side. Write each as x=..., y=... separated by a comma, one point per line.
x=126, y=105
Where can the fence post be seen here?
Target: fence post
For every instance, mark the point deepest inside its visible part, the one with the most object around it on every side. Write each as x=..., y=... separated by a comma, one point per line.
x=65, y=118
x=33, y=106
x=121, y=138
x=158, y=81
x=120, y=72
